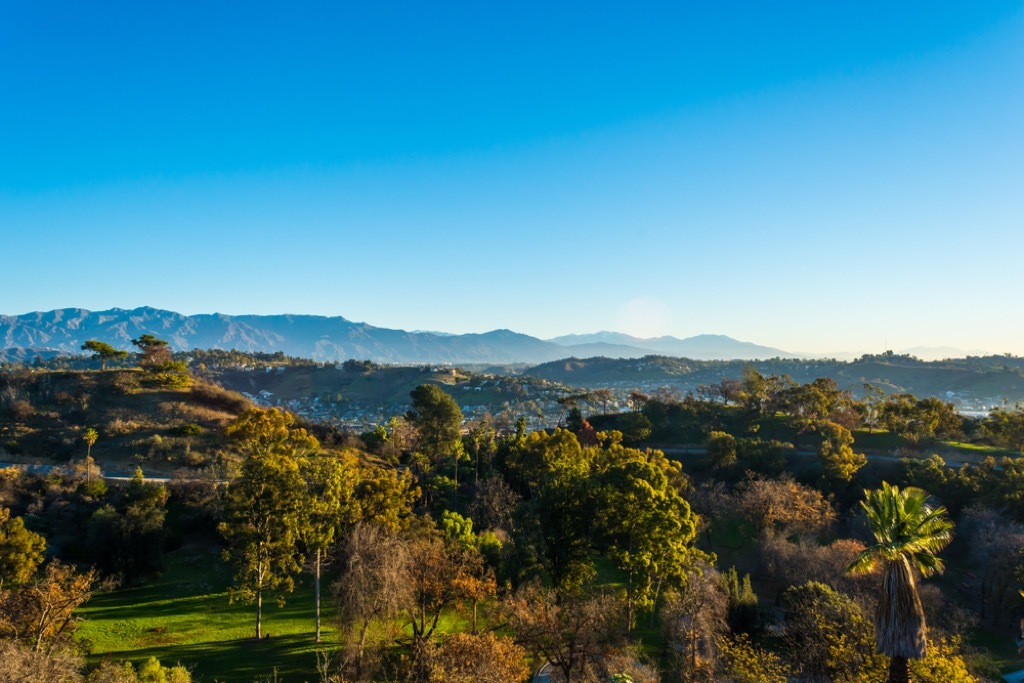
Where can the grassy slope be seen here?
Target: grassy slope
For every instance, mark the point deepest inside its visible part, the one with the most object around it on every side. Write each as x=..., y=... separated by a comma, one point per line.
x=136, y=428
x=185, y=617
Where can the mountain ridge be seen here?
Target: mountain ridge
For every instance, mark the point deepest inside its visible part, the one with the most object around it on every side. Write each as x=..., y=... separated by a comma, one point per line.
x=331, y=338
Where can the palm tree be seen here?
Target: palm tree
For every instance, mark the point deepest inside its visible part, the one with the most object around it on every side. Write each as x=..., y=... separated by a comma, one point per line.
x=909, y=533
x=89, y=437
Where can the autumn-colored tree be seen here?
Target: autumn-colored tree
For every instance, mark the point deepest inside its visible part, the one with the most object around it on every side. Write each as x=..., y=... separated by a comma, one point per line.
x=566, y=630
x=153, y=350
x=693, y=618
x=442, y=574
x=371, y=585
x=41, y=614
x=477, y=658
x=22, y=664
x=784, y=503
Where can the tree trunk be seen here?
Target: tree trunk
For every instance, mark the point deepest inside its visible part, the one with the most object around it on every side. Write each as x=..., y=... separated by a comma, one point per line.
x=654, y=606
x=259, y=613
x=362, y=646
x=899, y=670
x=316, y=584
x=629, y=602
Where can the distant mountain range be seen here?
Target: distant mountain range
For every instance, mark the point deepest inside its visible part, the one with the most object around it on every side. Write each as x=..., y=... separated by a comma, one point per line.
x=323, y=338
x=703, y=346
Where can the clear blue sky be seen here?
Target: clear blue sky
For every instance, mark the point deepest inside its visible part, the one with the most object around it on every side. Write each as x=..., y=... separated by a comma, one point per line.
x=814, y=176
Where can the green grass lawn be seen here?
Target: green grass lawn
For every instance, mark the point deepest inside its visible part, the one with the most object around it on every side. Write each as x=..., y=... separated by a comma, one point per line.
x=184, y=617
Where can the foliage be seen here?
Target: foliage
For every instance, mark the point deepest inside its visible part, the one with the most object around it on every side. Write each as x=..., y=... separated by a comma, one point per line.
x=154, y=351
x=21, y=550
x=917, y=420
x=437, y=418
x=644, y=525
x=127, y=534
x=328, y=507
x=104, y=351
x=440, y=575
x=943, y=663
x=1006, y=427
x=721, y=447
x=264, y=504
x=828, y=636
x=742, y=614
x=838, y=460
x=744, y=662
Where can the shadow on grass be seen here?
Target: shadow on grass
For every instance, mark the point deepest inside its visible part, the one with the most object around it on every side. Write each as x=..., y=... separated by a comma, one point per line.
x=185, y=617
x=241, y=660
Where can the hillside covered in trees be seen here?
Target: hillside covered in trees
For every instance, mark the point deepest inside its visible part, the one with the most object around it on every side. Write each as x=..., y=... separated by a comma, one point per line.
x=751, y=545
x=973, y=380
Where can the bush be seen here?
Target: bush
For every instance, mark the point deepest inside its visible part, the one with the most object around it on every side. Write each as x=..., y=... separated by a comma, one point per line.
x=126, y=382
x=170, y=375
x=20, y=410
x=213, y=396
x=120, y=427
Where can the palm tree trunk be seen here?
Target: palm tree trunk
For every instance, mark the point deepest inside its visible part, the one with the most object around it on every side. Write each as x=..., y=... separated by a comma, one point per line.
x=899, y=670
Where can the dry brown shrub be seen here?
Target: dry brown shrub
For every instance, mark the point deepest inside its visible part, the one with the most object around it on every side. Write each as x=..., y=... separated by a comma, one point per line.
x=212, y=396
x=119, y=427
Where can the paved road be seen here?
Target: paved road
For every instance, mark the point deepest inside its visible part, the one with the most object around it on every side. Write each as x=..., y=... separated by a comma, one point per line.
x=110, y=476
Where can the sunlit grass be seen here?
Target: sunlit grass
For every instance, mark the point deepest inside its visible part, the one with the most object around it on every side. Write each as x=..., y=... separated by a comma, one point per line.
x=185, y=617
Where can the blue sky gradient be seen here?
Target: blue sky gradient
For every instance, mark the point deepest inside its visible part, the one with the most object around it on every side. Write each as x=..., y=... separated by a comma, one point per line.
x=809, y=176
